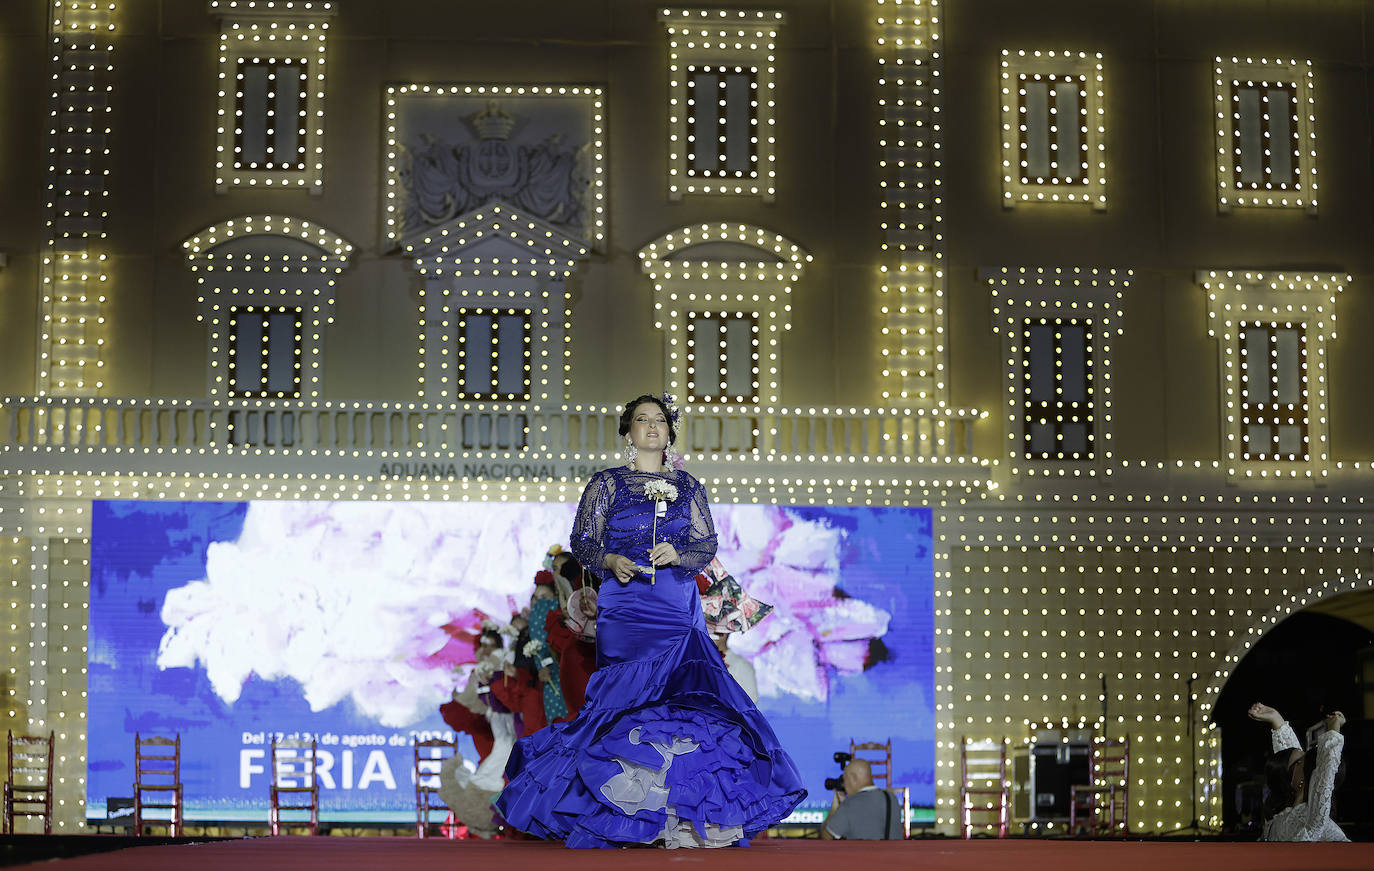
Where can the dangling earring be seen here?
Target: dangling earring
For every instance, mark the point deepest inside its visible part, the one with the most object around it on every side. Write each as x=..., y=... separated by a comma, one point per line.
x=631, y=452
x=669, y=458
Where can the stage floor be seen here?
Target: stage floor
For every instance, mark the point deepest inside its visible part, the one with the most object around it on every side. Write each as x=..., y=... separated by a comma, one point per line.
x=347, y=854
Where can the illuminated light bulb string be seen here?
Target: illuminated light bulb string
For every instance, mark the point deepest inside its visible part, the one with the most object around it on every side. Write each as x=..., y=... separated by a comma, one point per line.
x=722, y=101
x=74, y=265
x=272, y=306
x=912, y=355
x=270, y=122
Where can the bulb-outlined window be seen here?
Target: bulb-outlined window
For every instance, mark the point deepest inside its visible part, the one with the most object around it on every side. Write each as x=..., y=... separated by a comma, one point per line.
x=1273, y=407
x=722, y=116
x=1273, y=332
x=1052, y=145
x=270, y=117
x=1053, y=128
x=1264, y=137
x=1265, y=129
x=265, y=352
x=270, y=114
x=722, y=295
x=722, y=357
x=1057, y=383
x=485, y=273
x=1058, y=326
x=492, y=354
x=722, y=88
x=251, y=271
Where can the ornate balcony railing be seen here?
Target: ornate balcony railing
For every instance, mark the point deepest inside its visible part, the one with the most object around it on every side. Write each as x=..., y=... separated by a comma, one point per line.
x=105, y=431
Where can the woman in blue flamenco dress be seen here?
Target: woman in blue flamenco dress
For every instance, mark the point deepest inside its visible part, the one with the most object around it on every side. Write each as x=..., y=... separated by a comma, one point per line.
x=668, y=749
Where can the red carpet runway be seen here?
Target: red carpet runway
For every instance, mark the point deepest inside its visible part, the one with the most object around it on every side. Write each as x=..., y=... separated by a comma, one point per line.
x=348, y=854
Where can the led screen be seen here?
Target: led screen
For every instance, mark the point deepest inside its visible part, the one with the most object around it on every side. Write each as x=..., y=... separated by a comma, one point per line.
x=353, y=621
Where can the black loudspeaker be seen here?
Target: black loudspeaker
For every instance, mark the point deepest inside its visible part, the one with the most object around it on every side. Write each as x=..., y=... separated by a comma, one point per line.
x=1044, y=777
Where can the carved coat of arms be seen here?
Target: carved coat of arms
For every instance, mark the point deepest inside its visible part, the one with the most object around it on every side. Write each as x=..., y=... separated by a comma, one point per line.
x=443, y=178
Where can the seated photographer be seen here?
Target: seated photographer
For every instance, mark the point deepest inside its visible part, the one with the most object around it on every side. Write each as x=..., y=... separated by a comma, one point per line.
x=1298, y=804
x=867, y=813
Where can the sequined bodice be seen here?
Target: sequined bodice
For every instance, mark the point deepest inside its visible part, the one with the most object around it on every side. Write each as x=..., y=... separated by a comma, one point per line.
x=615, y=516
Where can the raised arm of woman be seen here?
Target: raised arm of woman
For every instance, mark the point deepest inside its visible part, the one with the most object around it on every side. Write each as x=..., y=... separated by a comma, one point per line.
x=1318, y=805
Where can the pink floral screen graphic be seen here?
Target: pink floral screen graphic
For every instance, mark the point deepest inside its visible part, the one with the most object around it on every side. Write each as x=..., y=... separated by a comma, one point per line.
x=377, y=602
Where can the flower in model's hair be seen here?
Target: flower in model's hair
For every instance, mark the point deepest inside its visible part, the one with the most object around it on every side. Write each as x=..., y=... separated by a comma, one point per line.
x=673, y=413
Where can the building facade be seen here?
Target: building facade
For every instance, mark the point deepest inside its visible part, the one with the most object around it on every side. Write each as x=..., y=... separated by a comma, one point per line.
x=1069, y=273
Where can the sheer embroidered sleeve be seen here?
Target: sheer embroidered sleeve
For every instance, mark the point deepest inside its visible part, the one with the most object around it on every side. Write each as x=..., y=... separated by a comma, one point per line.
x=1323, y=780
x=699, y=545
x=588, y=538
x=1284, y=738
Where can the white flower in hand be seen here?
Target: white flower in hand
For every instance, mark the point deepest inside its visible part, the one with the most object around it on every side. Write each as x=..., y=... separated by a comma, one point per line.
x=660, y=490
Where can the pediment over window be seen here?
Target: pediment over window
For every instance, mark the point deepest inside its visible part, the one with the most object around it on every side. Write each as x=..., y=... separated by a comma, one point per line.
x=266, y=295
x=496, y=234
x=723, y=252
x=722, y=243
x=256, y=242
x=722, y=295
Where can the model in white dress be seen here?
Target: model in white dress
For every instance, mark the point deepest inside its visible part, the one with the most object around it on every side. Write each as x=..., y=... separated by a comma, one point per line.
x=1308, y=817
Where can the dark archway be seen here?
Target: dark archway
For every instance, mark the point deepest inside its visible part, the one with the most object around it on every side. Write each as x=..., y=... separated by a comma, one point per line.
x=1307, y=665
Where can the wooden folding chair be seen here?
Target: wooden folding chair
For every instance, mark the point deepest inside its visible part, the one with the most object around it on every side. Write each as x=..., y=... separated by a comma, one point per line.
x=294, y=786
x=430, y=756
x=878, y=755
x=28, y=782
x=1105, y=800
x=983, y=787
x=157, y=770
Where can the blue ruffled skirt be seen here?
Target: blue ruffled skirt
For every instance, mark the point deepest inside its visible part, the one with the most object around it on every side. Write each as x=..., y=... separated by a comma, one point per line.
x=668, y=747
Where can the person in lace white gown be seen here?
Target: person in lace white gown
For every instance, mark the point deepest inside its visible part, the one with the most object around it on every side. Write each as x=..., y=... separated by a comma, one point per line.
x=1299, y=809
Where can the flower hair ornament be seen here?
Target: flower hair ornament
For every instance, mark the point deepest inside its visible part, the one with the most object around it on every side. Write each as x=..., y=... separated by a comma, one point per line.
x=671, y=458
x=674, y=415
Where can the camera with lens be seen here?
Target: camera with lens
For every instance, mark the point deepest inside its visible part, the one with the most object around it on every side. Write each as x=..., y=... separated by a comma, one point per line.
x=841, y=759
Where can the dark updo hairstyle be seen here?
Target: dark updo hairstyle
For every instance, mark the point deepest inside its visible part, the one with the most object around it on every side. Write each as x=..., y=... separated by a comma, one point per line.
x=1278, y=779
x=628, y=414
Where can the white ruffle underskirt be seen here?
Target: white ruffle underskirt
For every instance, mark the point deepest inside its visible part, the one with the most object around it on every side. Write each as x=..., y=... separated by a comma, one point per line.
x=638, y=787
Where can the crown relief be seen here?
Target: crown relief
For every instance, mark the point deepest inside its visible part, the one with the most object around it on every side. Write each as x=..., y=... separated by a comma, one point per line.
x=493, y=122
